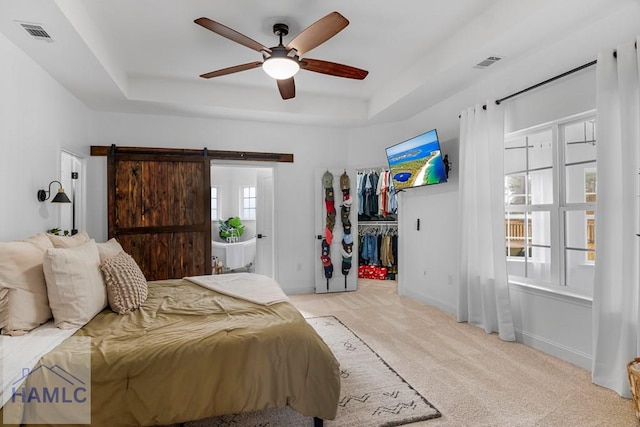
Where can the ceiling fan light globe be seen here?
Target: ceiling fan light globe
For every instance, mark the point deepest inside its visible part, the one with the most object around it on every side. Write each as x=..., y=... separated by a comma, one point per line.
x=280, y=68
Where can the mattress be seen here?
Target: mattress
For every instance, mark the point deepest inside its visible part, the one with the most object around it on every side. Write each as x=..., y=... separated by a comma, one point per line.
x=191, y=353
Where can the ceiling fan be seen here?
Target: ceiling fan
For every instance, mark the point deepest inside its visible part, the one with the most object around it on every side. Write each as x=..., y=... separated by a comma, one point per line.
x=283, y=62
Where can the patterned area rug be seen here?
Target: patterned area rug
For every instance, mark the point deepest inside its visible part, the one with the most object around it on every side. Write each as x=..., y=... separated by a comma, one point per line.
x=372, y=393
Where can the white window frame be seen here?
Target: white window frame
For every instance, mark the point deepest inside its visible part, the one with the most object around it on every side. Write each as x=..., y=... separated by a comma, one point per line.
x=217, y=199
x=557, y=210
x=242, y=203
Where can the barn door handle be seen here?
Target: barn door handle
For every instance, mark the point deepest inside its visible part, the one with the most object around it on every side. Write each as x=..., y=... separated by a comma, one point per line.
x=260, y=236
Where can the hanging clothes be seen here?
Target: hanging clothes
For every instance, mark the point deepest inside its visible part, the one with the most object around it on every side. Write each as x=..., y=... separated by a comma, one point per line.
x=376, y=196
x=378, y=251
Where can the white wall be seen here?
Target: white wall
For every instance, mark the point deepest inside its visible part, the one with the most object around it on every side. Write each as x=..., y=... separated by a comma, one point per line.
x=38, y=118
x=312, y=147
x=428, y=258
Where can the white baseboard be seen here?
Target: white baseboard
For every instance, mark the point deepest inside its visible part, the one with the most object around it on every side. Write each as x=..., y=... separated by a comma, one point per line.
x=560, y=351
x=431, y=301
x=299, y=290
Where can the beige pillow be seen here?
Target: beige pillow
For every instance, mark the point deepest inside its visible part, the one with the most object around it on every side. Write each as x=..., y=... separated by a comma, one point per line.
x=74, y=284
x=69, y=241
x=109, y=248
x=126, y=285
x=23, y=289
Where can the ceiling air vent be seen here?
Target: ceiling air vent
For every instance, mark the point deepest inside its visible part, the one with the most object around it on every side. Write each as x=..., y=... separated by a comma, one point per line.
x=487, y=62
x=36, y=31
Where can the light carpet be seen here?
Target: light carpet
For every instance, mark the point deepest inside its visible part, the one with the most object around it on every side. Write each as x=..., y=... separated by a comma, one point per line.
x=372, y=393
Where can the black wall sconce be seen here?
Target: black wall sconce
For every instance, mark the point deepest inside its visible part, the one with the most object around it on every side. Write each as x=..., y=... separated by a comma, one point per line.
x=60, y=197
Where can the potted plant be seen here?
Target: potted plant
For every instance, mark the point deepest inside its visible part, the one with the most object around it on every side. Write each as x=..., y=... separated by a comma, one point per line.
x=231, y=229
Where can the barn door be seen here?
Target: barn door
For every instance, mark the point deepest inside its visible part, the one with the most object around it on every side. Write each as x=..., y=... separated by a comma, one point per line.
x=159, y=210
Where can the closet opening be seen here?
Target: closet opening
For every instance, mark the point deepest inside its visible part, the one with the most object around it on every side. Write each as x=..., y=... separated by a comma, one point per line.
x=377, y=225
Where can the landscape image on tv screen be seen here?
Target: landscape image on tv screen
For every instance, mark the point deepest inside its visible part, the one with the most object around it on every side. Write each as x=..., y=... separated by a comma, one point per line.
x=416, y=162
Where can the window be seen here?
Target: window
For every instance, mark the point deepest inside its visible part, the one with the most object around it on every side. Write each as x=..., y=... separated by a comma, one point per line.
x=215, y=207
x=550, y=194
x=248, y=203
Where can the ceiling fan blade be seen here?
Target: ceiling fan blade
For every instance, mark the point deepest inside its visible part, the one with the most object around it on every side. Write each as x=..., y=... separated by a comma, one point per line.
x=333, y=69
x=318, y=33
x=232, y=35
x=230, y=70
x=287, y=88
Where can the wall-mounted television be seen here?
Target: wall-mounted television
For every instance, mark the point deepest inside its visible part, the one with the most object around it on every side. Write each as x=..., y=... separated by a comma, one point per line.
x=416, y=162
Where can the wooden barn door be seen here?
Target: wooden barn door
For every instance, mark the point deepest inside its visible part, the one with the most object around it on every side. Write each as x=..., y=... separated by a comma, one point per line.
x=159, y=210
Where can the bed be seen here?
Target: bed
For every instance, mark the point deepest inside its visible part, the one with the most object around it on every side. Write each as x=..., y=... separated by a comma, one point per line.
x=191, y=353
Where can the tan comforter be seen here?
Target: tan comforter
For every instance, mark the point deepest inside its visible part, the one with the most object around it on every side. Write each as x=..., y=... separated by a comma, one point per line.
x=191, y=353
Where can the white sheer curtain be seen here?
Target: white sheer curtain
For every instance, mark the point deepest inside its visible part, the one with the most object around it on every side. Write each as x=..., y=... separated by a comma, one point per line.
x=616, y=327
x=483, y=292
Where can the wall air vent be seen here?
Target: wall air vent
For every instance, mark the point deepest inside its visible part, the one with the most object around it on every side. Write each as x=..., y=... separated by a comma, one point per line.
x=487, y=62
x=36, y=31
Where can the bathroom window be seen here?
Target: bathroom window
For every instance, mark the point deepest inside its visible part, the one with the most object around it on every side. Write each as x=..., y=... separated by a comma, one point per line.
x=215, y=209
x=248, y=203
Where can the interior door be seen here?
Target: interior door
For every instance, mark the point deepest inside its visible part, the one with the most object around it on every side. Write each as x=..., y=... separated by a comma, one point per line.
x=338, y=282
x=265, y=236
x=159, y=210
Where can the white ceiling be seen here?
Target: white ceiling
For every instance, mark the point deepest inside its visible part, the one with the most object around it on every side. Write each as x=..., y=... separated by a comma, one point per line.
x=146, y=55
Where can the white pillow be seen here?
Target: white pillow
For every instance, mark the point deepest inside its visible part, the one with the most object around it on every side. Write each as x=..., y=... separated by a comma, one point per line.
x=69, y=241
x=109, y=248
x=74, y=284
x=23, y=292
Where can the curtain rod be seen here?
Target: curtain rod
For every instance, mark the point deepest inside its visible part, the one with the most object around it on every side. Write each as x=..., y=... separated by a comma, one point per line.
x=537, y=85
x=554, y=78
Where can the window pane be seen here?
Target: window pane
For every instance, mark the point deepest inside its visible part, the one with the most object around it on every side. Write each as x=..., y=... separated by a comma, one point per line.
x=245, y=192
x=540, y=228
x=252, y=203
x=540, y=151
x=515, y=155
x=541, y=187
x=580, y=230
x=516, y=234
x=214, y=192
x=539, y=264
x=590, y=185
x=579, y=142
x=252, y=191
x=579, y=272
x=515, y=189
x=581, y=183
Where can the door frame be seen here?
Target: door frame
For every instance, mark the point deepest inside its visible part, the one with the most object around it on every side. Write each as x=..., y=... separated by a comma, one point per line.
x=274, y=223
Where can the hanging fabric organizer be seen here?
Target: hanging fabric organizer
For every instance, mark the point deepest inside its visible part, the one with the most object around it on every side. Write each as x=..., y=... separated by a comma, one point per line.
x=336, y=234
x=327, y=183
x=347, y=239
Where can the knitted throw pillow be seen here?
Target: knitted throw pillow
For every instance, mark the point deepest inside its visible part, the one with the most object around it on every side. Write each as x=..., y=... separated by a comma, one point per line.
x=126, y=285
